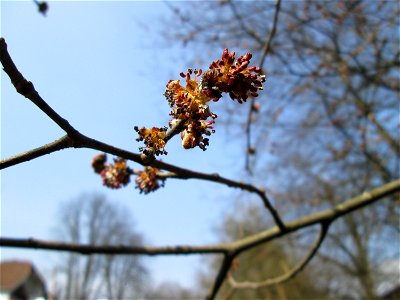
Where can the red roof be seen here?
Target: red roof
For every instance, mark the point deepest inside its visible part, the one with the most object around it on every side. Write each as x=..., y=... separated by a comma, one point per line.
x=14, y=273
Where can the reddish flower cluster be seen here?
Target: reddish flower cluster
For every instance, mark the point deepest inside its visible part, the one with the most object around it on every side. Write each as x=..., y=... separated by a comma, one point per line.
x=189, y=103
x=114, y=175
x=228, y=75
x=117, y=175
x=154, y=139
x=191, y=116
x=147, y=180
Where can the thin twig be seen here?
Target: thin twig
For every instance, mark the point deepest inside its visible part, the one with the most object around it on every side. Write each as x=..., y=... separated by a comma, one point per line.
x=60, y=144
x=110, y=249
x=177, y=128
x=266, y=50
x=267, y=47
x=26, y=89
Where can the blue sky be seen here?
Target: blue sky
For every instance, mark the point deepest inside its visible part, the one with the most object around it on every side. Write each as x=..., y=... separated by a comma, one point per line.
x=103, y=66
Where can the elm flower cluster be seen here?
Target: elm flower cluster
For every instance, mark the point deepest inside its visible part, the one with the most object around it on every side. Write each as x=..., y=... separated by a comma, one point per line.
x=231, y=76
x=147, y=180
x=114, y=175
x=154, y=140
x=189, y=103
x=117, y=174
x=192, y=136
x=191, y=117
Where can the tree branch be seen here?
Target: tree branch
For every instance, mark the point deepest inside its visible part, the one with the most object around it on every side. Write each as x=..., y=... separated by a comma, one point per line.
x=60, y=144
x=230, y=250
x=109, y=249
x=267, y=47
x=77, y=140
x=26, y=89
x=265, y=52
x=324, y=217
x=291, y=273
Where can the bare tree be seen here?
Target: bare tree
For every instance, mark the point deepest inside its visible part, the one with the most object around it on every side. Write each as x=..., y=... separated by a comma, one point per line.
x=92, y=220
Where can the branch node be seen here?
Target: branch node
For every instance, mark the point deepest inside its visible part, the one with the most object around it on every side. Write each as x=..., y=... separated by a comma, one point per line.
x=147, y=158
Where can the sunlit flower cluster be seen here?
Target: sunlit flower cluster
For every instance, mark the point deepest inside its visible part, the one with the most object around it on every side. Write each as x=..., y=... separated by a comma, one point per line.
x=147, y=180
x=114, y=175
x=189, y=103
x=191, y=116
x=154, y=139
x=192, y=136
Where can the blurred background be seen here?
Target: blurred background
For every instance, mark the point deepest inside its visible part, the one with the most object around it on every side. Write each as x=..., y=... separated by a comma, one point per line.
x=325, y=128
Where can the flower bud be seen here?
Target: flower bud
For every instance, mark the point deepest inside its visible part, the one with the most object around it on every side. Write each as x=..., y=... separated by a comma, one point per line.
x=98, y=162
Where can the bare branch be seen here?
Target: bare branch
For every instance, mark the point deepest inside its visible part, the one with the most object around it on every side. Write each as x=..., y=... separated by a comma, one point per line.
x=26, y=89
x=60, y=144
x=230, y=250
x=265, y=52
x=291, y=273
x=329, y=215
x=177, y=128
x=324, y=218
x=267, y=47
x=77, y=140
x=188, y=174
x=225, y=266
x=109, y=249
